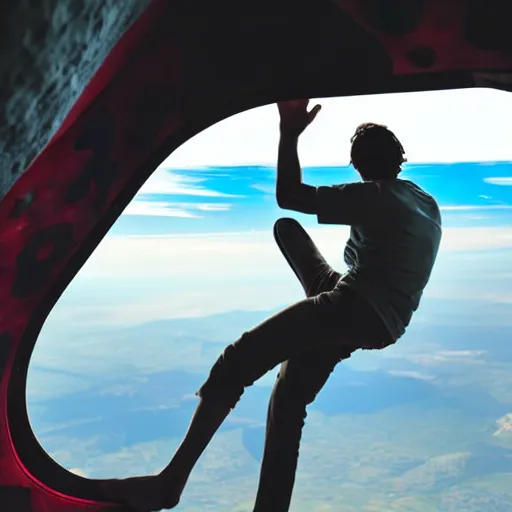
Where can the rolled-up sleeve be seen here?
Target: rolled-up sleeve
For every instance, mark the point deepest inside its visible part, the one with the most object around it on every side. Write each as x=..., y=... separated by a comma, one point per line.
x=351, y=203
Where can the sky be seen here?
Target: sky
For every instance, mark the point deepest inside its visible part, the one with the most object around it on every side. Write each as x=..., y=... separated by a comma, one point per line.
x=197, y=238
x=469, y=125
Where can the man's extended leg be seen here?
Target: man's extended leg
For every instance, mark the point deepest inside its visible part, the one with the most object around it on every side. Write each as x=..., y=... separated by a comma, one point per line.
x=300, y=378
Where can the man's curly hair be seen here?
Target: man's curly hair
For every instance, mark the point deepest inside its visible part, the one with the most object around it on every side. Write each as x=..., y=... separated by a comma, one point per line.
x=376, y=152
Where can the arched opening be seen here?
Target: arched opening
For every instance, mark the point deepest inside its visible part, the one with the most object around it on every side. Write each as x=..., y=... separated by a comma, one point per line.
x=191, y=264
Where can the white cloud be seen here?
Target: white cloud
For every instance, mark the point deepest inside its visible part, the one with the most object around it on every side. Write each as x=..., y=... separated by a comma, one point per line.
x=499, y=181
x=237, y=255
x=267, y=189
x=212, y=207
x=165, y=209
x=166, y=182
x=476, y=239
x=466, y=207
x=156, y=208
x=413, y=374
x=438, y=126
x=502, y=298
x=79, y=472
x=453, y=356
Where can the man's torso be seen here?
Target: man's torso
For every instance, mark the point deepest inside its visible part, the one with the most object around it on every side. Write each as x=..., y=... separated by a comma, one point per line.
x=390, y=261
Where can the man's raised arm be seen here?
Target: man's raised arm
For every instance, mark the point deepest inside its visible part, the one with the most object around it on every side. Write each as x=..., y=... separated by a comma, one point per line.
x=291, y=193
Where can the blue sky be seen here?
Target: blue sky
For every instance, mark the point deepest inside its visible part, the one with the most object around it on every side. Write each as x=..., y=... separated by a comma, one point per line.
x=198, y=184
x=197, y=239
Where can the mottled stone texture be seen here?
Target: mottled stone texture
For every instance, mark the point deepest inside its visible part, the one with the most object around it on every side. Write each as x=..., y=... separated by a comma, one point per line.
x=49, y=50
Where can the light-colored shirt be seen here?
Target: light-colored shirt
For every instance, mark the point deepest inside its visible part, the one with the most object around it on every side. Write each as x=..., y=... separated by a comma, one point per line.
x=394, y=240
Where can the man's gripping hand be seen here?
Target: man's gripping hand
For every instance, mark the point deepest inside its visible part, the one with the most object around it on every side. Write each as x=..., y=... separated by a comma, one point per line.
x=295, y=117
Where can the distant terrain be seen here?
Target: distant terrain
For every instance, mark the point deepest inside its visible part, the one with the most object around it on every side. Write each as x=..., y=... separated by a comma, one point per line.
x=414, y=428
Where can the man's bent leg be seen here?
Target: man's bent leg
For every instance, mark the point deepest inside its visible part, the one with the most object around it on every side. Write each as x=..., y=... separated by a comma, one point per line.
x=300, y=378
x=313, y=272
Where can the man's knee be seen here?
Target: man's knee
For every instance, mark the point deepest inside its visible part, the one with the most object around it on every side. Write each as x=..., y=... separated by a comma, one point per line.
x=286, y=227
x=295, y=244
x=291, y=389
x=235, y=369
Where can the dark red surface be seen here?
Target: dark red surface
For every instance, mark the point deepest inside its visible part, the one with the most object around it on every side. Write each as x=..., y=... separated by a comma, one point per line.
x=137, y=107
x=443, y=30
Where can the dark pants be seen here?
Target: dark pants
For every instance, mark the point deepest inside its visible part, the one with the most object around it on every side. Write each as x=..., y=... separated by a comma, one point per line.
x=309, y=338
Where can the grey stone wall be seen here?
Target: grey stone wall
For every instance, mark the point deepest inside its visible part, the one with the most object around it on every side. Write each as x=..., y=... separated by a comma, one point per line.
x=49, y=50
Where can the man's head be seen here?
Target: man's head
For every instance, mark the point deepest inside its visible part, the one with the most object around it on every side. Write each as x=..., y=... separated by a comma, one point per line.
x=376, y=153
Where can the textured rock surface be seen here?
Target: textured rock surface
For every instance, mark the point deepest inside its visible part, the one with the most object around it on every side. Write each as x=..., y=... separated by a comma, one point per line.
x=49, y=50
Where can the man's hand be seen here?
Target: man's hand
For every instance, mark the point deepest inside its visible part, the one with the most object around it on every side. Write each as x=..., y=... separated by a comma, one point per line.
x=295, y=116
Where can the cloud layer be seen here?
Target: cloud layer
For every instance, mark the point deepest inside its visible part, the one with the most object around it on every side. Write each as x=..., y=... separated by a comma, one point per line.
x=234, y=253
x=503, y=180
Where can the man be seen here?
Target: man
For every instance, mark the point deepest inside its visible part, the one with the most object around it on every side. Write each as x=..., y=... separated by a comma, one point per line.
x=394, y=240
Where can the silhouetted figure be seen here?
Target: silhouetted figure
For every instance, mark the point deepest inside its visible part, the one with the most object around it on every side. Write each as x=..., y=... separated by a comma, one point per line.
x=393, y=244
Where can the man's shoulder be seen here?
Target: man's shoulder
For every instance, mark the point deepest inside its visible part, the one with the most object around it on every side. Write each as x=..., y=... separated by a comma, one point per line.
x=359, y=187
x=413, y=189
x=411, y=185
x=419, y=199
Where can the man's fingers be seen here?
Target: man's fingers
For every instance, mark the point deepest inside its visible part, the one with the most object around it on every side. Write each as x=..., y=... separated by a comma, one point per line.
x=316, y=109
x=314, y=112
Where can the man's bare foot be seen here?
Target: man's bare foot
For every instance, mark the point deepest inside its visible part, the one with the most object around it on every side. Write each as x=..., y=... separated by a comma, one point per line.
x=148, y=493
